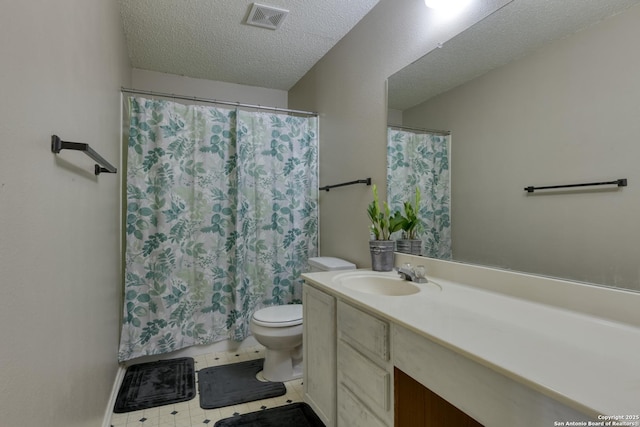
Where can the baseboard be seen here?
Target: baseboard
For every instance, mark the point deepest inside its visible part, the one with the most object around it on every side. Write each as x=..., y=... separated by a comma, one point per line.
x=114, y=395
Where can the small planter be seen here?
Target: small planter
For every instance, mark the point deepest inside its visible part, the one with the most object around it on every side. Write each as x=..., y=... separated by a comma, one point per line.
x=382, y=254
x=410, y=246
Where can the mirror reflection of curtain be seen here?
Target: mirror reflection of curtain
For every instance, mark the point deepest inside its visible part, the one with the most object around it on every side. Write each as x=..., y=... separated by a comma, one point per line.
x=419, y=159
x=222, y=216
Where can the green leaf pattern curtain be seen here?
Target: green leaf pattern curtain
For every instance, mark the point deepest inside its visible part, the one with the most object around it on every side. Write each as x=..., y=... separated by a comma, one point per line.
x=222, y=216
x=422, y=160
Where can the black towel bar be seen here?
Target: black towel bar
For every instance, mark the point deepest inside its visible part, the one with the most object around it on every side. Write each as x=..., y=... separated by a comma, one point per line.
x=360, y=181
x=619, y=182
x=57, y=144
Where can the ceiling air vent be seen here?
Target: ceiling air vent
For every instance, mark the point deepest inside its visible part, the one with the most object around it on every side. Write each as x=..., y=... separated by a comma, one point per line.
x=266, y=16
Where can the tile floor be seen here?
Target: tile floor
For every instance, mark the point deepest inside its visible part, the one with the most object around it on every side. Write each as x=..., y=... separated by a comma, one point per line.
x=189, y=414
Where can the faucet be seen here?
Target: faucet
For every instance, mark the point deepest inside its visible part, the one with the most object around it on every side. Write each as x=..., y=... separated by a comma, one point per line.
x=409, y=274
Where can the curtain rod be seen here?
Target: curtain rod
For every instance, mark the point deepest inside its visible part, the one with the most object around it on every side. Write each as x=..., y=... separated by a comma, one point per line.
x=436, y=131
x=215, y=101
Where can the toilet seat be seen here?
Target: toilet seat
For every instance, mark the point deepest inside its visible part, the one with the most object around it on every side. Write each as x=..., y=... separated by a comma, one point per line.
x=279, y=316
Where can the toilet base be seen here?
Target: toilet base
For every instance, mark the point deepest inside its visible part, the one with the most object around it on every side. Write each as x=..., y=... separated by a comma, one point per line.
x=282, y=365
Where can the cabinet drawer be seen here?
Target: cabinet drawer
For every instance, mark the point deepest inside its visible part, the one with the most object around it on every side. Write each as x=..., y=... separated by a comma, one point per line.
x=363, y=331
x=352, y=413
x=365, y=379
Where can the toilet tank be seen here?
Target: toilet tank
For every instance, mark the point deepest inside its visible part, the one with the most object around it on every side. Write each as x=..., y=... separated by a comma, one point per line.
x=327, y=263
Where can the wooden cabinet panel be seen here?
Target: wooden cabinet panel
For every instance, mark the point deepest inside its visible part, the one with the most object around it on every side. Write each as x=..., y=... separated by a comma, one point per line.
x=417, y=406
x=319, y=359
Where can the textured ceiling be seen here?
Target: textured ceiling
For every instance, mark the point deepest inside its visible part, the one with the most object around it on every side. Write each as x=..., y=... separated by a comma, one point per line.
x=208, y=38
x=516, y=29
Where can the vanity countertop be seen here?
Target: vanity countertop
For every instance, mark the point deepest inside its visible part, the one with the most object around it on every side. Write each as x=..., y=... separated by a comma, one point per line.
x=589, y=363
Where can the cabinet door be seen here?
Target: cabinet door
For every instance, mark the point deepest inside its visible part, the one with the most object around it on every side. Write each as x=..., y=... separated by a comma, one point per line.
x=319, y=344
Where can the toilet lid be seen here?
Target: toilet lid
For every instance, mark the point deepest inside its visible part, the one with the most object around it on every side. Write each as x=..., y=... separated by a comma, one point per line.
x=279, y=315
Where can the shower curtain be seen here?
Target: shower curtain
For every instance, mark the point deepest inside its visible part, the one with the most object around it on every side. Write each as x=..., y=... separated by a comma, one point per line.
x=221, y=218
x=418, y=159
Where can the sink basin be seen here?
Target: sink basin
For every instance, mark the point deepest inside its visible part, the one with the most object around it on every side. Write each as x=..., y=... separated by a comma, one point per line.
x=377, y=284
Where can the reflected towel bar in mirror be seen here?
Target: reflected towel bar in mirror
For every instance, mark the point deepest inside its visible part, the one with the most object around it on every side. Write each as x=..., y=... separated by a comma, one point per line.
x=619, y=182
x=57, y=145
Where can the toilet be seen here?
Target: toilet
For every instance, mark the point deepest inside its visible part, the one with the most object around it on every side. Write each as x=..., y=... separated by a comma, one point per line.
x=279, y=329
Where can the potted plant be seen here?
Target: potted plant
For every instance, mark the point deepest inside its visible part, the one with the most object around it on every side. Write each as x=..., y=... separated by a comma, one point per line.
x=383, y=224
x=410, y=224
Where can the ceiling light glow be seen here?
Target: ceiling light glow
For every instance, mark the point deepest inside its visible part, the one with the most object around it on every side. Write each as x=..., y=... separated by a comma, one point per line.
x=447, y=6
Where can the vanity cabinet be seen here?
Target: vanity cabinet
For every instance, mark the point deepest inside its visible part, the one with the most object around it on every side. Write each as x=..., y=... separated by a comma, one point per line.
x=364, y=369
x=319, y=353
x=461, y=357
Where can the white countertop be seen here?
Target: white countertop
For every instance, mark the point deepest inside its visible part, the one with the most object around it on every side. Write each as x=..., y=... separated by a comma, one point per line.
x=585, y=362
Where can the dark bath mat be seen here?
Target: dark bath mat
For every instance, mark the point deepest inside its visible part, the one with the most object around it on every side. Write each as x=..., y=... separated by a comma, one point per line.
x=233, y=384
x=294, y=415
x=152, y=384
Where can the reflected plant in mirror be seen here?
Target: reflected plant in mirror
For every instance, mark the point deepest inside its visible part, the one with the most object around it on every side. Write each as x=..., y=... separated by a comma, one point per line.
x=418, y=170
x=528, y=99
x=411, y=223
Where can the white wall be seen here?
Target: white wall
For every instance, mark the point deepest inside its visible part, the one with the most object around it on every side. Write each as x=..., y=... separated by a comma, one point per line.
x=201, y=88
x=347, y=88
x=568, y=113
x=63, y=63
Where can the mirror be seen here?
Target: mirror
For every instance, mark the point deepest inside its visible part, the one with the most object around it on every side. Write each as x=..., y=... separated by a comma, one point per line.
x=538, y=96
